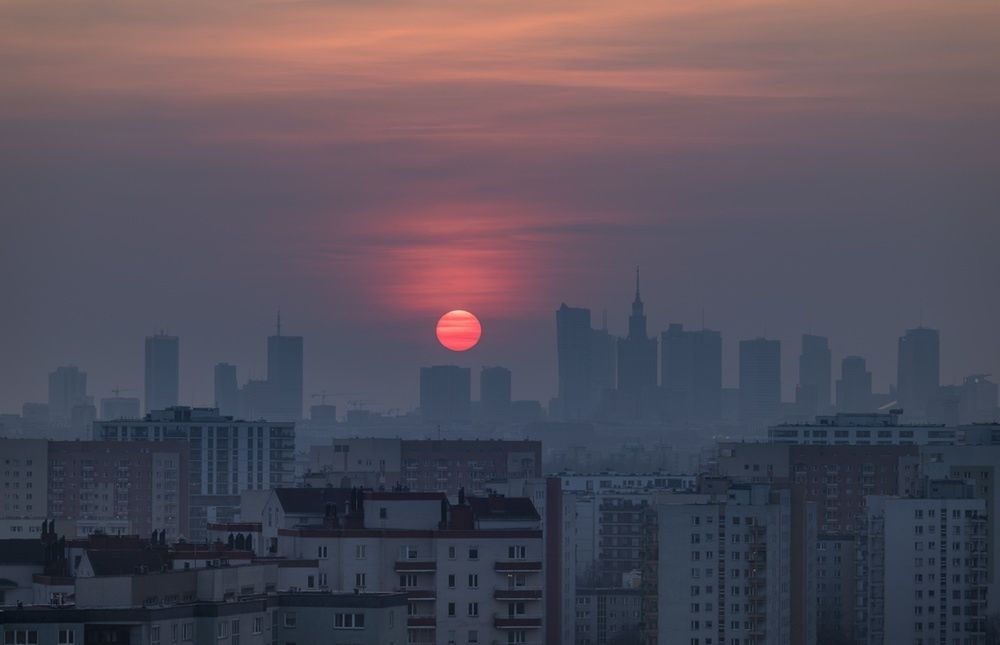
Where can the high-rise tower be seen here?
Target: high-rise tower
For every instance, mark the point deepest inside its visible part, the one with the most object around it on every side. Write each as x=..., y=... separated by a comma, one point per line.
x=284, y=375
x=637, y=352
x=918, y=370
x=760, y=382
x=812, y=395
x=162, y=371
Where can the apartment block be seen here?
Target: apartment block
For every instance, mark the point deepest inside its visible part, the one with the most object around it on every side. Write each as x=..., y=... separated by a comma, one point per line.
x=862, y=430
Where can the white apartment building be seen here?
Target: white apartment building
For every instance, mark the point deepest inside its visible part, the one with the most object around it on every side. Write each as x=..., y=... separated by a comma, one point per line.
x=923, y=573
x=473, y=571
x=862, y=430
x=723, y=568
x=227, y=456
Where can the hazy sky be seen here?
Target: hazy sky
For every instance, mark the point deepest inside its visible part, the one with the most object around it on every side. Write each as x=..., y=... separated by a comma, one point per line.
x=822, y=165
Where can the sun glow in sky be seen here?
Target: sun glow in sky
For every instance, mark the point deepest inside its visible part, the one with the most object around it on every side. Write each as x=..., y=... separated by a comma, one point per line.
x=367, y=165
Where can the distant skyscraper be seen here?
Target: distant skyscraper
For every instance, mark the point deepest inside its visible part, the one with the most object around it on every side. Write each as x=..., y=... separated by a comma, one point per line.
x=284, y=375
x=67, y=389
x=637, y=352
x=603, y=361
x=812, y=395
x=162, y=371
x=227, y=393
x=494, y=392
x=918, y=370
x=760, y=382
x=691, y=368
x=854, y=389
x=573, y=348
x=120, y=407
x=445, y=393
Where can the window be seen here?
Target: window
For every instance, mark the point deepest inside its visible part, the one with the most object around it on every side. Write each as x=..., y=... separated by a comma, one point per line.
x=349, y=621
x=360, y=551
x=21, y=637
x=221, y=630
x=173, y=633
x=290, y=619
x=451, y=553
x=473, y=636
x=451, y=580
x=310, y=581
x=516, y=636
x=187, y=631
x=154, y=634
x=383, y=513
x=473, y=553
x=258, y=624
x=473, y=608
x=67, y=637
x=407, y=553
x=361, y=579
x=321, y=552
x=451, y=609
x=473, y=581
x=407, y=580
x=518, y=552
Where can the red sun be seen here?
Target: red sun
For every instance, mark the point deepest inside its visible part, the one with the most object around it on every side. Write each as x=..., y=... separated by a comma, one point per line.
x=459, y=330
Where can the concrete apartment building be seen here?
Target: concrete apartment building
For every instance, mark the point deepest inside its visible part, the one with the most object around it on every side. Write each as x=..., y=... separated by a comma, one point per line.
x=923, y=573
x=720, y=569
x=225, y=605
x=23, y=482
x=423, y=464
x=226, y=456
x=607, y=615
x=472, y=571
x=862, y=430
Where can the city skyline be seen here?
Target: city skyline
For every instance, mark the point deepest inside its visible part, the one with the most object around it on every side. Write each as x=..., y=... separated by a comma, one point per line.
x=368, y=168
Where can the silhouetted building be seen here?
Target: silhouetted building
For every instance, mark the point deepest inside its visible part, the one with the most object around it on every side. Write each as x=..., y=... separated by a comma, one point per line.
x=256, y=400
x=760, y=382
x=67, y=388
x=603, y=362
x=854, y=389
x=918, y=370
x=691, y=367
x=227, y=393
x=162, y=381
x=637, y=356
x=812, y=396
x=978, y=402
x=284, y=375
x=324, y=412
x=573, y=348
x=445, y=393
x=120, y=407
x=494, y=392
x=81, y=420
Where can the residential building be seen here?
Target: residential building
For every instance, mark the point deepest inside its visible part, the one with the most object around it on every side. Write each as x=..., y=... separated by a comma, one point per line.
x=862, y=429
x=923, y=575
x=227, y=456
x=608, y=615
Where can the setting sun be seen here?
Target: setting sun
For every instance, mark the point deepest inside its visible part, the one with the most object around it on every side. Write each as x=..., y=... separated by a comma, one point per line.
x=459, y=330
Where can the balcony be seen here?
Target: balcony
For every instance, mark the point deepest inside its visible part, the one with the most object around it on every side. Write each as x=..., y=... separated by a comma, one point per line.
x=414, y=566
x=421, y=622
x=421, y=594
x=509, y=566
x=517, y=593
x=506, y=621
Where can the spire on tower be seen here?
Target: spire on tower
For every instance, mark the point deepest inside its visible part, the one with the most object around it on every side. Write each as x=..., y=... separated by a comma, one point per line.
x=637, y=282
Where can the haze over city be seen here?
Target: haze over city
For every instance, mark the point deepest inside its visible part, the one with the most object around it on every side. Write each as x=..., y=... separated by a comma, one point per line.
x=346, y=322
x=779, y=166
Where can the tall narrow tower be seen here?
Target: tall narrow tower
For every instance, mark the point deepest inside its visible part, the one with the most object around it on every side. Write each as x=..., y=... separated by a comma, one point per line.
x=285, y=375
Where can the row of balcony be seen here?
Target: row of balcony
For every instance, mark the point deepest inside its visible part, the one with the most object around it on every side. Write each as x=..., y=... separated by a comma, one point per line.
x=500, y=621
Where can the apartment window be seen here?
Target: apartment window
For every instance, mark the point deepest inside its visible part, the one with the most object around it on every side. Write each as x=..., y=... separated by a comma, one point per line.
x=360, y=551
x=310, y=581
x=407, y=580
x=473, y=609
x=187, y=631
x=349, y=621
x=154, y=634
x=451, y=580
x=290, y=619
x=473, y=553
x=516, y=636
x=221, y=630
x=473, y=636
x=322, y=580
x=451, y=609
x=173, y=633
x=67, y=637
x=321, y=552
x=518, y=552
x=451, y=553
x=361, y=580
x=21, y=637
x=258, y=624
x=473, y=581
x=407, y=553
x=383, y=512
